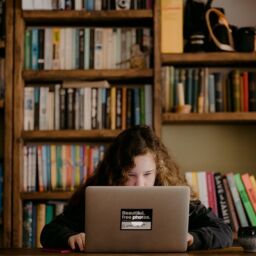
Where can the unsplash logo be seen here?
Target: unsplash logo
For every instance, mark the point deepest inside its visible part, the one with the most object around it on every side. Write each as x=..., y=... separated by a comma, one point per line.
x=136, y=219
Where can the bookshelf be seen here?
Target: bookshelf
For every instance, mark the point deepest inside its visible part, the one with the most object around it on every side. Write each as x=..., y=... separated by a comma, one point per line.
x=22, y=77
x=212, y=142
x=6, y=105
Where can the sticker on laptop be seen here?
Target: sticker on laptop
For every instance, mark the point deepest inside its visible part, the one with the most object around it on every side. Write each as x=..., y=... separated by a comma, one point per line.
x=136, y=219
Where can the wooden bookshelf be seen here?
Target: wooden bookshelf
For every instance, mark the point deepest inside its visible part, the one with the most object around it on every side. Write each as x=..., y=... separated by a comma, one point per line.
x=71, y=16
x=7, y=105
x=33, y=18
x=113, y=75
x=210, y=59
x=59, y=195
x=223, y=117
x=70, y=135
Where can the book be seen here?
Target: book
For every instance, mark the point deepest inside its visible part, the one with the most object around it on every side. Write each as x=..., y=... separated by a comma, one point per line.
x=232, y=211
x=222, y=200
x=244, y=197
x=249, y=189
x=237, y=201
x=171, y=26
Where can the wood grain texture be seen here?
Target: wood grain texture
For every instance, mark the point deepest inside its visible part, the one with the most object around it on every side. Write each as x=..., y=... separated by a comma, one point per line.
x=8, y=127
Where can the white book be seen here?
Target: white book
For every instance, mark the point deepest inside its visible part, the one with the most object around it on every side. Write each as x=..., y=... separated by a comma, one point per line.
x=43, y=121
x=148, y=105
x=110, y=50
x=188, y=176
x=118, y=48
x=202, y=188
x=29, y=108
x=48, y=48
x=25, y=168
x=98, y=5
x=47, y=4
x=78, y=5
x=27, y=5
x=87, y=109
x=98, y=48
x=38, y=4
x=62, y=4
x=68, y=46
x=57, y=107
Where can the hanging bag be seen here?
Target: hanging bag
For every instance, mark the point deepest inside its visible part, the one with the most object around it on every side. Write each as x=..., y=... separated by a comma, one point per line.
x=220, y=33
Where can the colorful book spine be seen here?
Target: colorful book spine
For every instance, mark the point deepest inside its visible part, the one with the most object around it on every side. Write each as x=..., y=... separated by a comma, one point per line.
x=246, y=202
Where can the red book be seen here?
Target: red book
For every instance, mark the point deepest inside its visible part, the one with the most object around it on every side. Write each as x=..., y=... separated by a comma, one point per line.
x=249, y=189
x=211, y=192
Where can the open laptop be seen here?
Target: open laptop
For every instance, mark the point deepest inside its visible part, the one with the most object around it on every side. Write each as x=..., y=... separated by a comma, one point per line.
x=136, y=219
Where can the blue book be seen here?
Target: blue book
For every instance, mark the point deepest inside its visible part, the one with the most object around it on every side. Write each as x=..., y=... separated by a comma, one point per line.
x=34, y=49
x=44, y=162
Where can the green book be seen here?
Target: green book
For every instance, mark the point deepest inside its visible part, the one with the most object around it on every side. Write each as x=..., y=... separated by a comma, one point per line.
x=49, y=213
x=244, y=197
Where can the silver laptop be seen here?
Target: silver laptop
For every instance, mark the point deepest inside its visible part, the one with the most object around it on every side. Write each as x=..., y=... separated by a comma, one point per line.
x=136, y=219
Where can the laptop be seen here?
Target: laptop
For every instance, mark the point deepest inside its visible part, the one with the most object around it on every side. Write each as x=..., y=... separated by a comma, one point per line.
x=136, y=219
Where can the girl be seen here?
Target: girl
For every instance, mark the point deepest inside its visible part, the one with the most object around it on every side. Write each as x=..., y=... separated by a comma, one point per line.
x=135, y=158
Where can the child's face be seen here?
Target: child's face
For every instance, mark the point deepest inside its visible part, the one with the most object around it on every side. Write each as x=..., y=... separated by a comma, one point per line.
x=144, y=171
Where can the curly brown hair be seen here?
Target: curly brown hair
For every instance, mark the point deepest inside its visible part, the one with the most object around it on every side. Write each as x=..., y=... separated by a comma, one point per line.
x=119, y=159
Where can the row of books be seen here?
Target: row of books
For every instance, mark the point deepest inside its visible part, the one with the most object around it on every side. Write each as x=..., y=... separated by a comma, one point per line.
x=35, y=216
x=58, y=166
x=206, y=91
x=76, y=105
x=88, y=5
x=85, y=48
x=2, y=18
x=2, y=78
x=231, y=196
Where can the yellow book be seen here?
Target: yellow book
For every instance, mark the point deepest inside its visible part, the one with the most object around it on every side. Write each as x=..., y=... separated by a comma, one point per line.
x=195, y=183
x=53, y=167
x=40, y=222
x=253, y=181
x=171, y=26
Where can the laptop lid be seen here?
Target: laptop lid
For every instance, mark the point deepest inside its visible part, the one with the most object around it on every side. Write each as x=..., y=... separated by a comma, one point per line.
x=136, y=219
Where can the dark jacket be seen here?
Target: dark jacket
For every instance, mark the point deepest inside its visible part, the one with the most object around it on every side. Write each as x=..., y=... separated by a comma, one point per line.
x=208, y=230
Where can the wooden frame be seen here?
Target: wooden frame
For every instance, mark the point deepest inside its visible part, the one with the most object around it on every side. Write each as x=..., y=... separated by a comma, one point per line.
x=8, y=126
x=34, y=18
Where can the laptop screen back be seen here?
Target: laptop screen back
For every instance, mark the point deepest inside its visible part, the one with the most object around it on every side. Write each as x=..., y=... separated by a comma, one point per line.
x=136, y=219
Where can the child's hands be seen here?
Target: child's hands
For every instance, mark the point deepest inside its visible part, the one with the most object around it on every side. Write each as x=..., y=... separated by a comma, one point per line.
x=77, y=241
x=190, y=239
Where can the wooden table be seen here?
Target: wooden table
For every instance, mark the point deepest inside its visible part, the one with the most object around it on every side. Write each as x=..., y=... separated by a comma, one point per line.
x=232, y=251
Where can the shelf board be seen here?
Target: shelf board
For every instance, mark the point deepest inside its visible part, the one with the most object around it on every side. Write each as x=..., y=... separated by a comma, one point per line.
x=81, y=135
x=222, y=117
x=59, y=75
x=209, y=58
x=59, y=195
x=44, y=16
x=1, y=103
x=2, y=44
